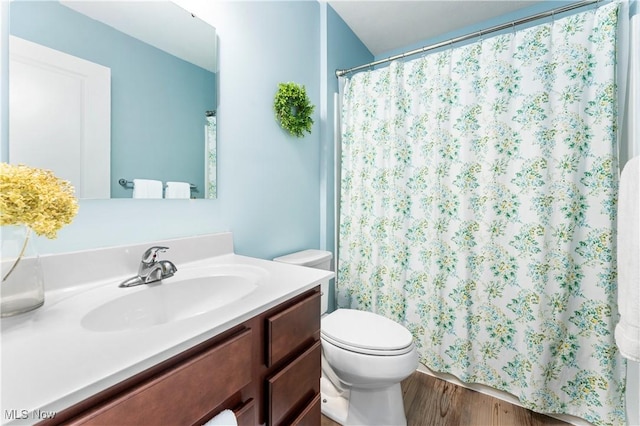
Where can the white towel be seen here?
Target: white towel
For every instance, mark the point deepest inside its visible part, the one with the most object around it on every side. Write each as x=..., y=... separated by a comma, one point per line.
x=177, y=190
x=146, y=188
x=628, y=328
x=225, y=418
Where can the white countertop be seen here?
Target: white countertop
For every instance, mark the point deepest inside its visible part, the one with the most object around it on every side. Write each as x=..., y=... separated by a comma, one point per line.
x=50, y=361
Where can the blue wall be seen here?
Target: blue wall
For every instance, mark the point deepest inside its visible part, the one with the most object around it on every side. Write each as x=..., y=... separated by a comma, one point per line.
x=169, y=135
x=268, y=180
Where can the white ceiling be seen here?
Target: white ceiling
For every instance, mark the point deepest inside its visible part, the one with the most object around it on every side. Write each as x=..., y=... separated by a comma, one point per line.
x=386, y=25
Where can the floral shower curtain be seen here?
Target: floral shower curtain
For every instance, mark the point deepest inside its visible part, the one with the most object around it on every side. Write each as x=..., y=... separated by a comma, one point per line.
x=478, y=201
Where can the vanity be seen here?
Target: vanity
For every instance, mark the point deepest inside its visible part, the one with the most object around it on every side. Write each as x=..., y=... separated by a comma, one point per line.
x=226, y=332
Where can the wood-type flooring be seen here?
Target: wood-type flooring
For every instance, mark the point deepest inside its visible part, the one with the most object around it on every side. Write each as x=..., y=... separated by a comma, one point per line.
x=429, y=401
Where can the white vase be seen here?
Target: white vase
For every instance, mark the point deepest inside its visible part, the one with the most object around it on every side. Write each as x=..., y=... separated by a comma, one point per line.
x=22, y=286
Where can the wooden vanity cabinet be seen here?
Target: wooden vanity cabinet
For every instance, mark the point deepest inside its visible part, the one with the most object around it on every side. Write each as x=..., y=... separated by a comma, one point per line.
x=267, y=370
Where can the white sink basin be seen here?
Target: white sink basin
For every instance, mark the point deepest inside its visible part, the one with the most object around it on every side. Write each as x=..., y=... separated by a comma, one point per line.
x=189, y=293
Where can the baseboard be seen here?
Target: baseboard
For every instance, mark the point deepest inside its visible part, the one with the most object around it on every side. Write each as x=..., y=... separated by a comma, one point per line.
x=504, y=396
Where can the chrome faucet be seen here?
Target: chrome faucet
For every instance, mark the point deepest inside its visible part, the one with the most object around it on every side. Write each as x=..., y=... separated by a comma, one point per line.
x=151, y=269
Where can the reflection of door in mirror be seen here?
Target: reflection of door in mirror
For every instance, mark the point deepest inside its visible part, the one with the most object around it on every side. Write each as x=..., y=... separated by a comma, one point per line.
x=60, y=116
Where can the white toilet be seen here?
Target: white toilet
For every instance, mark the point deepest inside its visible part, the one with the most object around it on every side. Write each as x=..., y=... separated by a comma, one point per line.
x=365, y=356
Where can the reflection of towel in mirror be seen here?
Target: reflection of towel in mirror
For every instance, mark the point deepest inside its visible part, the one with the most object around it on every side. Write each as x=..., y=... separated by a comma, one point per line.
x=146, y=188
x=177, y=190
x=226, y=418
x=628, y=329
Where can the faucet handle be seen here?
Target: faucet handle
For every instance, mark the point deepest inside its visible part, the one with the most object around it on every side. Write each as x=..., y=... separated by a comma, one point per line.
x=150, y=254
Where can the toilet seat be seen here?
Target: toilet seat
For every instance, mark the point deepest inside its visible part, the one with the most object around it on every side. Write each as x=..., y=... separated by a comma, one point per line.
x=366, y=333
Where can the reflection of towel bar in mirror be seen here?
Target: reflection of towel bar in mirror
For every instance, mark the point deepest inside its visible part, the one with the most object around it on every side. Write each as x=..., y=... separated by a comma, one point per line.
x=129, y=184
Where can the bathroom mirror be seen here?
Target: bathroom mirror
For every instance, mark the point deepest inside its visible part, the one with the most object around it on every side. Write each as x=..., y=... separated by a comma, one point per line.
x=162, y=89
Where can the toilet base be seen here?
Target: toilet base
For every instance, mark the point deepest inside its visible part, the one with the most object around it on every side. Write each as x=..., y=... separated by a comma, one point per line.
x=369, y=407
x=334, y=405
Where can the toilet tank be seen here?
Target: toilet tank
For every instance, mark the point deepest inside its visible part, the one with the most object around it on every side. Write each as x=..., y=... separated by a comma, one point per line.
x=319, y=259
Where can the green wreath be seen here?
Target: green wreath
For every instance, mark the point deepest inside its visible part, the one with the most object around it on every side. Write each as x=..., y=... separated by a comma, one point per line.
x=293, y=109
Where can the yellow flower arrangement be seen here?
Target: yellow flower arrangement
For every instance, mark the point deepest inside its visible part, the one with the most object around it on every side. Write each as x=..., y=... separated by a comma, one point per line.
x=35, y=198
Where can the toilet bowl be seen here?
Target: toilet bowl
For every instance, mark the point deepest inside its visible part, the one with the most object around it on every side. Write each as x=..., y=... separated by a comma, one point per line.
x=365, y=356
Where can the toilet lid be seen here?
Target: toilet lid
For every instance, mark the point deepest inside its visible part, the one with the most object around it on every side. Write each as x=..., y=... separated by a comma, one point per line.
x=365, y=332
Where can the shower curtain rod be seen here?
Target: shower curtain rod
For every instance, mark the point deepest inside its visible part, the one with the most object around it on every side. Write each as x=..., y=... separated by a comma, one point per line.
x=340, y=73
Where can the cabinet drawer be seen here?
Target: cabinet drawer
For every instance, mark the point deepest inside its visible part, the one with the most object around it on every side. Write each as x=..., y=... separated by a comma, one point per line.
x=185, y=393
x=311, y=415
x=292, y=388
x=291, y=328
x=245, y=415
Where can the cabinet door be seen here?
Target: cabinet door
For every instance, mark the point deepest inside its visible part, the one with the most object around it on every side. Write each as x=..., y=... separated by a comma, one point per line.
x=294, y=387
x=292, y=328
x=185, y=393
